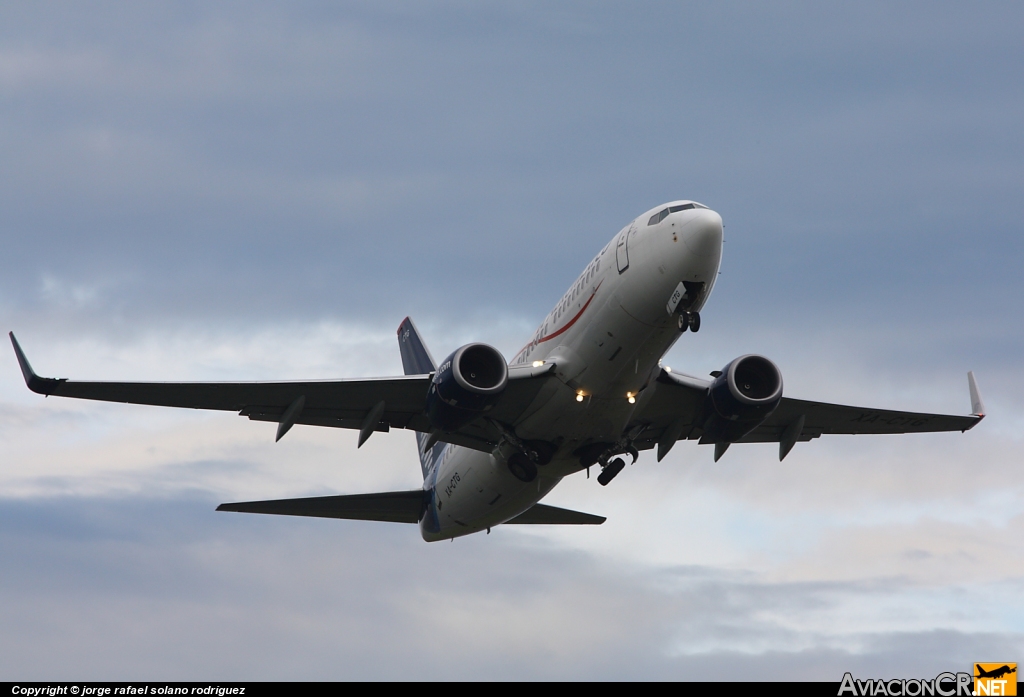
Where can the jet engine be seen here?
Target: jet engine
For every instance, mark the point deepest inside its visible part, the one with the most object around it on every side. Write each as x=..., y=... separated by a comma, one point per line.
x=742, y=396
x=467, y=384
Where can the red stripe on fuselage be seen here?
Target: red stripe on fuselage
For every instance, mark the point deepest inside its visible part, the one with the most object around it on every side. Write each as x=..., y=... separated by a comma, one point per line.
x=571, y=322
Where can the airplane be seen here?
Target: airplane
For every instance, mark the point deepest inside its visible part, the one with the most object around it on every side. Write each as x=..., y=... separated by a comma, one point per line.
x=996, y=673
x=589, y=388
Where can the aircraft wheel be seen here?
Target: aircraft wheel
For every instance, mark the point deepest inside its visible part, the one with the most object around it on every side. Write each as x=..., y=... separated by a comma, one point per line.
x=694, y=321
x=522, y=468
x=683, y=318
x=609, y=472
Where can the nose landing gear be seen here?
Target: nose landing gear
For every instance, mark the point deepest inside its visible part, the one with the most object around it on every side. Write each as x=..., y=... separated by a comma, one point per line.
x=689, y=320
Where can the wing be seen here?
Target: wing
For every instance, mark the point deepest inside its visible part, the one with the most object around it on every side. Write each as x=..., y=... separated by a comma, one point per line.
x=374, y=404
x=674, y=411
x=822, y=418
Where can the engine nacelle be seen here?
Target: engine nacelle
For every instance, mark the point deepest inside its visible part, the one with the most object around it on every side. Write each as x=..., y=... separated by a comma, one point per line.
x=467, y=384
x=741, y=397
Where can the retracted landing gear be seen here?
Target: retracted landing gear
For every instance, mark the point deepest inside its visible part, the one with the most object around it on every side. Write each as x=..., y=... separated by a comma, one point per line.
x=689, y=320
x=522, y=467
x=610, y=470
x=522, y=457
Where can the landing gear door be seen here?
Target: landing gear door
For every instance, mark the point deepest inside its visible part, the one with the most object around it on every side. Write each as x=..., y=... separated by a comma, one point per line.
x=622, y=249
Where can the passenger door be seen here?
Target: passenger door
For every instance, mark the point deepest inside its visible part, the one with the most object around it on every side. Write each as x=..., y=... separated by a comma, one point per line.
x=622, y=249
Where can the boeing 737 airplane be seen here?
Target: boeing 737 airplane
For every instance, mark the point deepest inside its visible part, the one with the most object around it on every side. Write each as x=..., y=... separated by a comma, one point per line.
x=587, y=389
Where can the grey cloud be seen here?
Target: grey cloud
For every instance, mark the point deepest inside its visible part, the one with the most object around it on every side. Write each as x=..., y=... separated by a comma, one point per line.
x=116, y=588
x=363, y=153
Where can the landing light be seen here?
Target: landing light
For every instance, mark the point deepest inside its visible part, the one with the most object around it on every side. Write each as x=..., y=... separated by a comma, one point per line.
x=579, y=396
x=537, y=364
x=631, y=398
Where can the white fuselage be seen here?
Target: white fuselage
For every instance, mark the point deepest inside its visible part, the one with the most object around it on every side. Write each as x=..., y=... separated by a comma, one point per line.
x=606, y=337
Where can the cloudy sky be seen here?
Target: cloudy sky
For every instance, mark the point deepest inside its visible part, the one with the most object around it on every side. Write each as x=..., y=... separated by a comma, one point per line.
x=247, y=191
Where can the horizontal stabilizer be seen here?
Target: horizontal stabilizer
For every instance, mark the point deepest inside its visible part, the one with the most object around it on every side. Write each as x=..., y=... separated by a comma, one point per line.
x=390, y=507
x=549, y=515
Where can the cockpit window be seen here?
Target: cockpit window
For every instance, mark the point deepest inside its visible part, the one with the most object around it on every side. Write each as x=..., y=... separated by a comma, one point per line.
x=658, y=217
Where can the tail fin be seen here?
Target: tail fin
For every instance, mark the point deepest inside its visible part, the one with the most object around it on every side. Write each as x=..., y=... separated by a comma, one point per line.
x=416, y=360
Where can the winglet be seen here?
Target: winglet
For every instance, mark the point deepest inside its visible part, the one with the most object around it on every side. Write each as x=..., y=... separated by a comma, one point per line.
x=35, y=383
x=977, y=406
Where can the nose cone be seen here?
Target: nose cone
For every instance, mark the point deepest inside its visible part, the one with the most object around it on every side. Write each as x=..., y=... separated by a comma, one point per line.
x=703, y=235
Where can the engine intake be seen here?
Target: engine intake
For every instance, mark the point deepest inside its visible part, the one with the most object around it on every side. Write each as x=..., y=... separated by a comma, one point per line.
x=742, y=396
x=467, y=384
